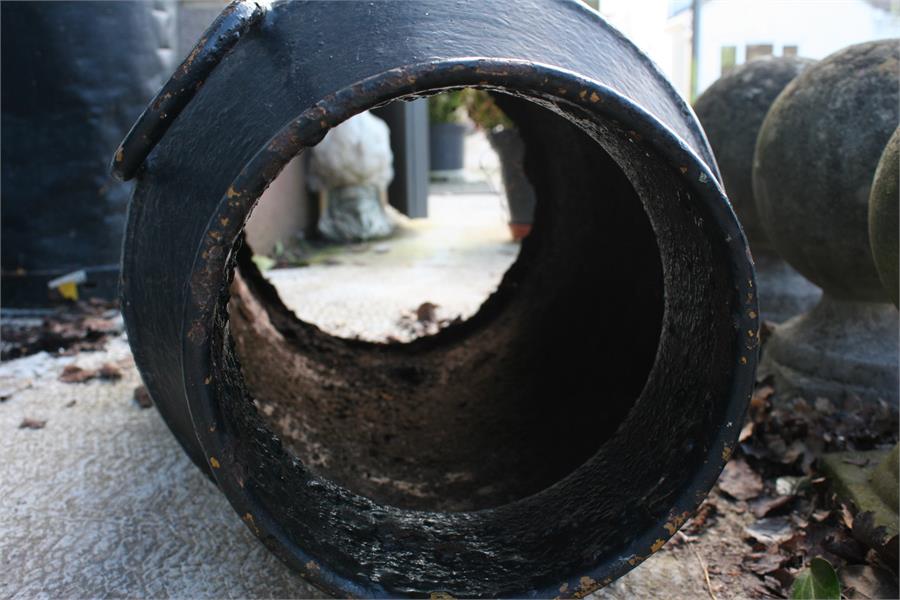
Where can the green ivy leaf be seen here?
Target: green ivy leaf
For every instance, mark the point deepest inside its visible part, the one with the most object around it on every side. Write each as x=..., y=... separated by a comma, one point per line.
x=818, y=582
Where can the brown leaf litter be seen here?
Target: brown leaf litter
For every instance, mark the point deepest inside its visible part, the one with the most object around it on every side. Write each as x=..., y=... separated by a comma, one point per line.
x=29, y=423
x=68, y=329
x=76, y=374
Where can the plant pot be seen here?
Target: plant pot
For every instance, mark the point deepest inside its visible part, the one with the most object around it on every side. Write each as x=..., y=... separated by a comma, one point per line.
x=520, y=198
x=445, y=147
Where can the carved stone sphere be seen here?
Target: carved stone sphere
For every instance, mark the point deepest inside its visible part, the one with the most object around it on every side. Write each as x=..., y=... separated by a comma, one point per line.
x=731, y=111
x=815, y=158
x=884, y=220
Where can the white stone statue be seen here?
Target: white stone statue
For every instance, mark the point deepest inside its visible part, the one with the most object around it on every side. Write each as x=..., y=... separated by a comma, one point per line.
x=351, y=169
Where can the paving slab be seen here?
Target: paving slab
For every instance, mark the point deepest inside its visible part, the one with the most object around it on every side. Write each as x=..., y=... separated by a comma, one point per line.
x=102, y=502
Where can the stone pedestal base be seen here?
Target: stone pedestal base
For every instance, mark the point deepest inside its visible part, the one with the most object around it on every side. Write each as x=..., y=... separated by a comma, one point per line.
x=868, y=482
x=783, y=292
x=837, y=349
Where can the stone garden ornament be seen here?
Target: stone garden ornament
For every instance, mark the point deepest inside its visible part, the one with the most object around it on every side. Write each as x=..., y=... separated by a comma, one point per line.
x=883, y=216
x=351, y=169
x=731, y=111
x=816, y=156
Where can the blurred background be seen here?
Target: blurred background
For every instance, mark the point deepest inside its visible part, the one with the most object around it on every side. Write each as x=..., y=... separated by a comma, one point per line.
x=696, y=42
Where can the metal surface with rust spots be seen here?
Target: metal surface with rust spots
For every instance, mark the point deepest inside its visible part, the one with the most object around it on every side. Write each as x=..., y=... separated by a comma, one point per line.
x=278, y=90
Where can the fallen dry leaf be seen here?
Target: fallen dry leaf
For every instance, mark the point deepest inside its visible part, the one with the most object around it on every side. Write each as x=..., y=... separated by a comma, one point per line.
x=763, y=506
x=790, y=486
x=28, y=423
x=747, y=431
x=846, y=516
x=762, y=563
x=864, y=581
x=840, y=542
x=771, y=530
x=427, y=312
x=707, y=511
x=820, y=515
x=142, y=397
x=109, y=372
x=875, y=536
x=69, y=329
x=761, y=396
x=75, y=374
x=739, y=481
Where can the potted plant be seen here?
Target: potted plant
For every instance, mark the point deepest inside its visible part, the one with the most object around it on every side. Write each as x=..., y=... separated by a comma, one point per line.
x=507, y=143
x=446, y=135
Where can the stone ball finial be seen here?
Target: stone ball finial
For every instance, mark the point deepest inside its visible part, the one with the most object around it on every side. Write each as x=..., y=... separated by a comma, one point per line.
x=731, y=111
x=884, y=217
x=815, y=157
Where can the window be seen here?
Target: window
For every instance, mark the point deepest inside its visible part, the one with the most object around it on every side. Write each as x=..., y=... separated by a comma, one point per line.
x=757, y=50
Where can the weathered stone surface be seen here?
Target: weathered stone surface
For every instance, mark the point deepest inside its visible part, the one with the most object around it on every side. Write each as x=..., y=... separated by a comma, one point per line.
x=838, y=348
x=884, y=220
x=731, y=111
x=351, y=169
x=815, y=159
x=783, y=292
x=867, y=482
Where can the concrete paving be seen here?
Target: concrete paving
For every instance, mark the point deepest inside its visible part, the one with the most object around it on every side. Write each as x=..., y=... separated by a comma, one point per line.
x=102, y=502
x=453, y=259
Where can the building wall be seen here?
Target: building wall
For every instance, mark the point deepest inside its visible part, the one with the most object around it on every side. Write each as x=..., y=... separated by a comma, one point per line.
x=663, y=30
x=817, y=29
